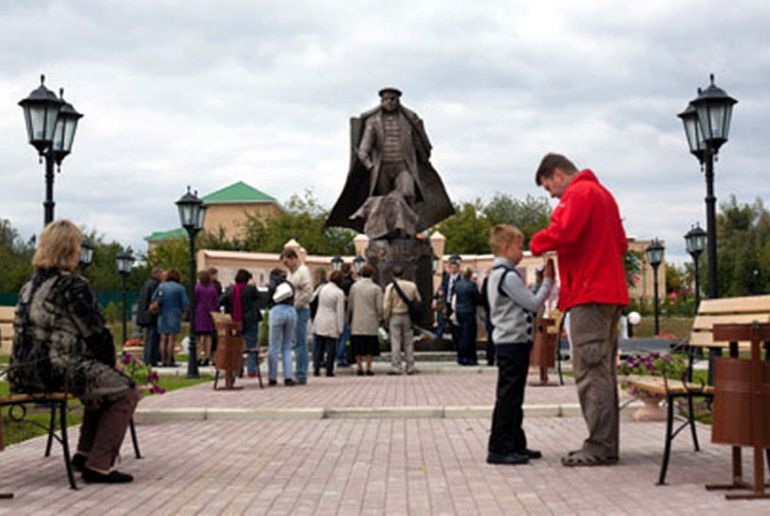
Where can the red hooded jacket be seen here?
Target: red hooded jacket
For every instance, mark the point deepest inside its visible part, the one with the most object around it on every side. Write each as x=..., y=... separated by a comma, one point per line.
x=588, y=236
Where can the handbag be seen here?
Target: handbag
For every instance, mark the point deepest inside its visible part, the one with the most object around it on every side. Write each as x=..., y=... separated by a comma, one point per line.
x=416, y=310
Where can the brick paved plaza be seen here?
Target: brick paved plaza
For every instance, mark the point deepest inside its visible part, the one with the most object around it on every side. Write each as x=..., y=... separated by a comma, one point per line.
x=365, y=462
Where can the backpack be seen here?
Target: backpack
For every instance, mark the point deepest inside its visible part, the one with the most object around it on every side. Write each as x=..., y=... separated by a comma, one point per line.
x=416, y=310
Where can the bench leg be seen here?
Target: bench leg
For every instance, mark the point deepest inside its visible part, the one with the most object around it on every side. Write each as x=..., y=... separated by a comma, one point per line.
x=691, y=420
x=134, y=440
x=65, y=443
x=51, y=430
x=669, y=438
x=216, y=377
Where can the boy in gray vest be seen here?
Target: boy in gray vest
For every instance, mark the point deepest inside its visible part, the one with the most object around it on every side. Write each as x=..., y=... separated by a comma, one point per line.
x=512, y=309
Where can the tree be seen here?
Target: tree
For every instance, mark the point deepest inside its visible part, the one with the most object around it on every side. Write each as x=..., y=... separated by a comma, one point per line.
x=467, y=231
x=529, y=215
x=15, y=256
x=303, y=221
x=743, y=248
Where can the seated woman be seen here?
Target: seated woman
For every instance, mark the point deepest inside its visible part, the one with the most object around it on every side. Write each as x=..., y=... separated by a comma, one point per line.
x=62, y=344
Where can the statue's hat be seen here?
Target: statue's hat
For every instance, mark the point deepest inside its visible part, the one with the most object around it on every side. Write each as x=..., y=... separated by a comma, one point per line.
x=389, y=89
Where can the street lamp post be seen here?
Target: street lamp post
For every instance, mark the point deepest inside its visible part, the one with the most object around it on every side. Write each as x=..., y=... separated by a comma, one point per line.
x=707, y=126
x=51, y=125
x=86, y=254
x=654, y=255
x=695, y=241
x=192, y=214
x=124, y=261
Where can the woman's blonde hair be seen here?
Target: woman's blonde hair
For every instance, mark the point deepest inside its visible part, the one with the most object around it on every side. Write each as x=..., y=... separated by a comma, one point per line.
x=58, y=246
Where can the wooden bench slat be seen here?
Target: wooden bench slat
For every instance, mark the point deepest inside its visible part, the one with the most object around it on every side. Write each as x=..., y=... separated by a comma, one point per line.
x=735, y=305
x=657, y=385
x=706, y=322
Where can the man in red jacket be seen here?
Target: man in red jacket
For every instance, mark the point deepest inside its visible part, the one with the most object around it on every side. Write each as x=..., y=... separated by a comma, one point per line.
x=588, y=236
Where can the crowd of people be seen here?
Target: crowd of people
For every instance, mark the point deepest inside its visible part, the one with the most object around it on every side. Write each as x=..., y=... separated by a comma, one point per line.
x=62, y=342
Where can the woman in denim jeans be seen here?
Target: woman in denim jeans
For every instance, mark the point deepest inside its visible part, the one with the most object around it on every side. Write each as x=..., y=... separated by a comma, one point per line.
x=283, y=322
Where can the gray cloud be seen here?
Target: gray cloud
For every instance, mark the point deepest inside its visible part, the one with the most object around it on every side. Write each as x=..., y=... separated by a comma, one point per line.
x=206, y=93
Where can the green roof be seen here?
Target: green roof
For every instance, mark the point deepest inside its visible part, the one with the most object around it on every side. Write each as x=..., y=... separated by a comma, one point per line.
x=177, y=233
x=238, y=192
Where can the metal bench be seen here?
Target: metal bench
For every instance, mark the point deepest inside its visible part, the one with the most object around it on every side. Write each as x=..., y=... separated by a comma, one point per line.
x=740, y=310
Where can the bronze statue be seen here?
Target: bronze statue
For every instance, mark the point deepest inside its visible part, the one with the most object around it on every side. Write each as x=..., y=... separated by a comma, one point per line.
x=392, y=190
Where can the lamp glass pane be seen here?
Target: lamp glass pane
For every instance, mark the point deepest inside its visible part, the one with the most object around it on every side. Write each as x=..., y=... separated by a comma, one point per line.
x=185, y=215
x=716, y=115
x=51, y=116
x=728, y=114
x=70, y=126
x=201, y=220
x=704, y=120
x=691, y=131
x=58, y=136
x=37, y=118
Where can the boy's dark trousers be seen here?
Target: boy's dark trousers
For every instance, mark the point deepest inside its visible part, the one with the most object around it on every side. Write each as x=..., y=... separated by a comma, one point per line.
x=513, y=365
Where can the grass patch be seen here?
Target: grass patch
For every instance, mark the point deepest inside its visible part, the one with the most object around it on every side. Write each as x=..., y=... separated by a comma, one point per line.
x=676, y=326
x=18, y=432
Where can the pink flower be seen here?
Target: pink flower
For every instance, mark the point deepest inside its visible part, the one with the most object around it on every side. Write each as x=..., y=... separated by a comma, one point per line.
x=153, y=377
x=126, y=358
x=154, y=389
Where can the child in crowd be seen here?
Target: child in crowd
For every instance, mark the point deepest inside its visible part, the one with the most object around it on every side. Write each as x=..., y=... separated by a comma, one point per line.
x=512, y=309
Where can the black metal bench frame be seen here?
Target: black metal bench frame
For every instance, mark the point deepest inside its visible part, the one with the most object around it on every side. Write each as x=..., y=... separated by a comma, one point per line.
x=58, y=403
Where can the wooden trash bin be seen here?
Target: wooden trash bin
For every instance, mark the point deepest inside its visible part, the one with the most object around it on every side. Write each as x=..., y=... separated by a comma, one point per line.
x=543, y=354
x=742, y=404
x=230, y=346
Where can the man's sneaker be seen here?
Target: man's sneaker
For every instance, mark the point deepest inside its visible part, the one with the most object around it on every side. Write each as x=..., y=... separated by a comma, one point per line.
x=289, y=382
x=272, y=383
x=113, y=477
x=509, y=459
x=301, y=381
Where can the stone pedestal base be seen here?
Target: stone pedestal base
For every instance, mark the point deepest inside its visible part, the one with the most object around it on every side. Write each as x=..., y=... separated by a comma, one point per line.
x=414, y=257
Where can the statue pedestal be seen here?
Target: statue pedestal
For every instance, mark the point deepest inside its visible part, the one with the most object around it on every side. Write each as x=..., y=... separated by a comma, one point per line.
x=414, y=257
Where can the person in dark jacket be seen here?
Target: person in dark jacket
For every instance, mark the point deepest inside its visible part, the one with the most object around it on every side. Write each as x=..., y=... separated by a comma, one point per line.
x=466, y=299
x=283, y=322
x=241, y=301
x=148, y=320
x=342, y=342
x=62, y=342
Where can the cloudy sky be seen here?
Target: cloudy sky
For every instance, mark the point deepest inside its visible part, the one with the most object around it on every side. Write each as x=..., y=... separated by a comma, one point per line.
x=208, y=93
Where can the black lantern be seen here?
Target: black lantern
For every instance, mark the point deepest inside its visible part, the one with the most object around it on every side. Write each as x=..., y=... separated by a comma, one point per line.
x=41, y=112
x=693, y=133
x=124, y=261
x=51, y=125
x=336, y=263
x=695, y=241
x=64, y=133
x=715, y=108
x=189, y=206
x=654, y=254
x=358, y=263
x=192, y=217
x=86, y=253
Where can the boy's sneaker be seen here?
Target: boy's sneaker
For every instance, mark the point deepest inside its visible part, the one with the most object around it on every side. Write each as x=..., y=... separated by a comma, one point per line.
x=509, y=459
x=289, y=382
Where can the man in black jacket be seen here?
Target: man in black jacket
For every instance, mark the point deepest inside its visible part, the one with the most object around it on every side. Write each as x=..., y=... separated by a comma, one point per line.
x=149, y=320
